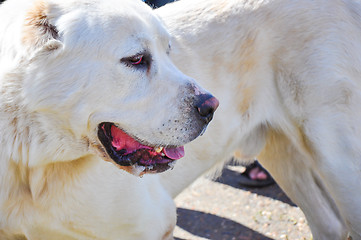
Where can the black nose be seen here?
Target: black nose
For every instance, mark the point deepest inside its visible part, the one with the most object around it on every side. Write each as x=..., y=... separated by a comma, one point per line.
x=206, y=105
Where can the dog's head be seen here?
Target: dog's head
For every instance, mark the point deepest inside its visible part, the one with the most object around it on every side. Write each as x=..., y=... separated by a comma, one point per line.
x=98, y=76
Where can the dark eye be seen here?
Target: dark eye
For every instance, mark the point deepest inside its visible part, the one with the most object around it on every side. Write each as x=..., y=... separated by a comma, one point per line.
x=136, y=60
x=139, y=60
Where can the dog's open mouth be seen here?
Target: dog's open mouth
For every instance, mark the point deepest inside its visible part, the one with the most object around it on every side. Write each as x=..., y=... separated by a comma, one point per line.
x=125, y=151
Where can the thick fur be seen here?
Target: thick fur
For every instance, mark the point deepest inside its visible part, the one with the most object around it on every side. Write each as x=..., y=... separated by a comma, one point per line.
x=65, y=68
x=288, y=77
x=287, y=74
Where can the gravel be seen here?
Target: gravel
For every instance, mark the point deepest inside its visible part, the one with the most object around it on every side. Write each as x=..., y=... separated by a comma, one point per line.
x=222, y=209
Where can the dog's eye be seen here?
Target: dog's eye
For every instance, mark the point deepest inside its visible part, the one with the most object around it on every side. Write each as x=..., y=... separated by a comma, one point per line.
x=138, y=60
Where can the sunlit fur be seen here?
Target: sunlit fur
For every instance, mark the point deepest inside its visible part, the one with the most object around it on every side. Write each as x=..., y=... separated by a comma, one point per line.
x=62, y=73
x=288, y=77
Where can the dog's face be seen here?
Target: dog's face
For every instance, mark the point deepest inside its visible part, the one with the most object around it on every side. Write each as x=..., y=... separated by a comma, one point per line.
x=100, y=74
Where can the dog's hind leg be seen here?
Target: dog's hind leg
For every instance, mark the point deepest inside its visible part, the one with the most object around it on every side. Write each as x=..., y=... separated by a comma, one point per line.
x=294, y=173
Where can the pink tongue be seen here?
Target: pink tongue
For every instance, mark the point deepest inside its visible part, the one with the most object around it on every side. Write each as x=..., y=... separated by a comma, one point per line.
x=174, y=153
x=121, y=140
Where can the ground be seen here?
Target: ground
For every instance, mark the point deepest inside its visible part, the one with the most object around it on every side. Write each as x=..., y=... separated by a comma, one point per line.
x=222, y=209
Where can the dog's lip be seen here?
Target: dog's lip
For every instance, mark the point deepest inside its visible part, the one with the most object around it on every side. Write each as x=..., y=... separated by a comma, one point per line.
x=127, y=152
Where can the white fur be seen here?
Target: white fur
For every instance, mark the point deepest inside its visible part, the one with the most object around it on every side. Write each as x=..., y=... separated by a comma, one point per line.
x=62, y=74
x=287, y=77
x=287, y=74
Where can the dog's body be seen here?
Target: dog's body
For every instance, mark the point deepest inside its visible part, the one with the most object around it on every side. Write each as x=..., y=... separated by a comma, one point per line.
x=287, y=76
x=82, y=84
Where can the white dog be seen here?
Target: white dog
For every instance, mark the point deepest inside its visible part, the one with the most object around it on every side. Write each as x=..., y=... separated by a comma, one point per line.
x=288, y=77
x=82, y=83
x=286, y=73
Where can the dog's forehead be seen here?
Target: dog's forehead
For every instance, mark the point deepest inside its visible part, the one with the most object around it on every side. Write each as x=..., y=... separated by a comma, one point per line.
x=110, y=21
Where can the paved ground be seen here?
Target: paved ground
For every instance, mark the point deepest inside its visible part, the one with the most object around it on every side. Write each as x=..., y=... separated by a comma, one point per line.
x=221, y=209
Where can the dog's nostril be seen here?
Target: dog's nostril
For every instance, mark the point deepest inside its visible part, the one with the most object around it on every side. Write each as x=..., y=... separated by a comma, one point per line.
x=206, y=105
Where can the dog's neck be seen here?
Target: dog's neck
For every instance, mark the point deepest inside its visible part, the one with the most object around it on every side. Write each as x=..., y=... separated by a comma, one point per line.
x=27, y=168
x=21, y=134
x=15, y=130
x=25, y=147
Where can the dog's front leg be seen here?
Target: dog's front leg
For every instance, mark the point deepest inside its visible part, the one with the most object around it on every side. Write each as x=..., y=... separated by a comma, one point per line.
x=336, y=144
x=293, y=171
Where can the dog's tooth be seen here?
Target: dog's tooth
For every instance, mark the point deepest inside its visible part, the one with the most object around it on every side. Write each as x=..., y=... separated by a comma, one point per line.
x=158, y=149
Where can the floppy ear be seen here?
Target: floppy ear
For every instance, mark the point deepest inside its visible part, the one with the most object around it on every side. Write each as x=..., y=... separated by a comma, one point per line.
x=38, y=31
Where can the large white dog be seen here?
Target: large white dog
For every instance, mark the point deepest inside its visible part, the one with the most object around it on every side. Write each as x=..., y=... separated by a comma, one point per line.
x=82, y=84
x=286, y=73
x=288, y=77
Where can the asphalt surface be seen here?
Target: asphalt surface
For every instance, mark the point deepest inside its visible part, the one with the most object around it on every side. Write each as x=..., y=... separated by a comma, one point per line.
x=222, y=209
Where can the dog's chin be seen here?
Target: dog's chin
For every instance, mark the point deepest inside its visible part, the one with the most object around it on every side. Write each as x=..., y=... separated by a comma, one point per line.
x=133, y=156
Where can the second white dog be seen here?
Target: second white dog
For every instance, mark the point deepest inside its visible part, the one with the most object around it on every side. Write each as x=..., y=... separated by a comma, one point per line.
x=288, y=76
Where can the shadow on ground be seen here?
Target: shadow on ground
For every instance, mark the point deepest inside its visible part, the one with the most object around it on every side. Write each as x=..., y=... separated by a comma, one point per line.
x=210, y=226
x=229, y=177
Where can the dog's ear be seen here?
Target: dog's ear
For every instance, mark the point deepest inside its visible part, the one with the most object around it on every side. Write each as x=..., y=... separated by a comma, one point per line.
x=38, y=30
